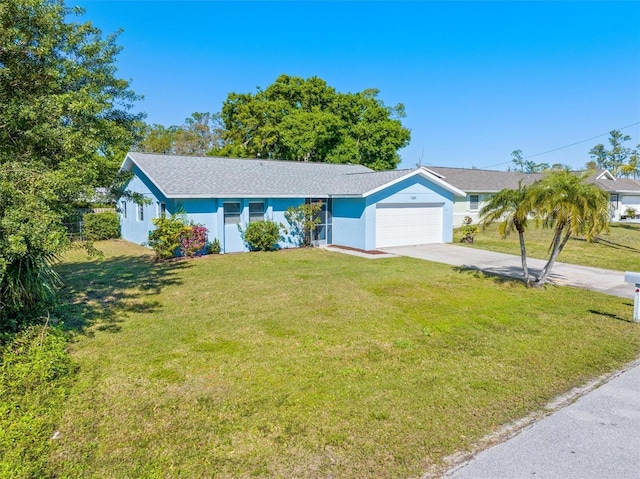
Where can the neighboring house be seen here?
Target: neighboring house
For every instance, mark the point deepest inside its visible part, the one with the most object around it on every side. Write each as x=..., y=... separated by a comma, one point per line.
x=480, y=185
x=624, y=193
x=361, y=208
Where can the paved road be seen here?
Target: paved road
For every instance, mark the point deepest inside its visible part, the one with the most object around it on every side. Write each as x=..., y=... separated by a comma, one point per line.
x=596, y=437
x=596, y=279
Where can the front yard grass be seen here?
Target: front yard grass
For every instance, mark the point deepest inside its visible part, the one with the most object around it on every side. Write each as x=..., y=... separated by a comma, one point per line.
x=311, y=363
x=619, y=249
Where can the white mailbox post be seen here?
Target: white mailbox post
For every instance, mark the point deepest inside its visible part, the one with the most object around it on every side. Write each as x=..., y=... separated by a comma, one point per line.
x=630, y=277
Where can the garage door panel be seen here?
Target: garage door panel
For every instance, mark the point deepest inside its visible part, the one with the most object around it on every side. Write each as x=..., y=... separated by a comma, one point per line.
x=401, y=225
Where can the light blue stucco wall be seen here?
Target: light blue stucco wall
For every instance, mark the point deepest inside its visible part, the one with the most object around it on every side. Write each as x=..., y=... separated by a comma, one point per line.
x=132, y=229
x=349, y=224
x=206, y=211
x=137, y=231
x=230, y=235
x=354, y=219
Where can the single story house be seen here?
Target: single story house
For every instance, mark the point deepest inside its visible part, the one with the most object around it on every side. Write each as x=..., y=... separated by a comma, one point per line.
x=624, y=193
x=361, y=208
x=480, y=185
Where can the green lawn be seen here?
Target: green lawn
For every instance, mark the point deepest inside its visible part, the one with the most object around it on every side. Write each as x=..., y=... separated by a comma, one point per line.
x=310, y=363
x=619, y=249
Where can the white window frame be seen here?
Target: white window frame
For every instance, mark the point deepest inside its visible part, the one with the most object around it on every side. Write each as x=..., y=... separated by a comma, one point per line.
x=228, y=215
x=261, y=216
x=162, y=210
x=140, y=212
x=123, y=210
x=471, y=202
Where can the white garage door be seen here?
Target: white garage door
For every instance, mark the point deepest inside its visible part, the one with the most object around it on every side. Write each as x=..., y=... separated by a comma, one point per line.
x=402, y=225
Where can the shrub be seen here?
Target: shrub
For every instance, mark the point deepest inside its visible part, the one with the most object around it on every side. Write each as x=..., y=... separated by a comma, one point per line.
x=214, y=246
x=262, y=235
x=303, y=219
x=174, y=235
x=193, y=240
x=630, y=212
x=101, y=226
x=165, y=239
x=468, y=230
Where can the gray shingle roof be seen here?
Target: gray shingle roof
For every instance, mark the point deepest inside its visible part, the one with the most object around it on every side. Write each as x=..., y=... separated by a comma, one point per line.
x=619, y=185
x=212, y=177
x=490, y=181
x=483, y=181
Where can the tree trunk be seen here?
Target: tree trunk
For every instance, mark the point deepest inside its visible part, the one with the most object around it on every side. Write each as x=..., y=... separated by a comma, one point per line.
x=556, y=249
x=523, y=257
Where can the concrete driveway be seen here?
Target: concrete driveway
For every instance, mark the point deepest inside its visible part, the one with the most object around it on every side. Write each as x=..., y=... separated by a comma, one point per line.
x=595, y=279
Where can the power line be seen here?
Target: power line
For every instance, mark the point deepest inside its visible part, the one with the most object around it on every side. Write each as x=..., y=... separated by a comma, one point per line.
x=565, y=146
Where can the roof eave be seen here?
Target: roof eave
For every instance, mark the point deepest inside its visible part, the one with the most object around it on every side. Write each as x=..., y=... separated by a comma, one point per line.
x=129, y=163
x=177, y=196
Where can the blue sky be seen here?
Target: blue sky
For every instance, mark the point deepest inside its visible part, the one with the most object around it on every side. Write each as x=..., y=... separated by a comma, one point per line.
x=478, y=79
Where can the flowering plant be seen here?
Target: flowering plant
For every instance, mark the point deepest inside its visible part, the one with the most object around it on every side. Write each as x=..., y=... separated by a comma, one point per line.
x=193, y=240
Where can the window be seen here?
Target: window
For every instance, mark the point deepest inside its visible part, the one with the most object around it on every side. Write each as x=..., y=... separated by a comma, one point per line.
x=140, y=212
x=123, y=210
x=614, y=200
x=474, y=201
x=256, y=211
x=232, y=213
x=162, y=210
x=323, y=232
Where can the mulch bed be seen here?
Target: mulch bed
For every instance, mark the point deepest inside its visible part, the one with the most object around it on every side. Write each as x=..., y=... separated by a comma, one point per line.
x=367, y=251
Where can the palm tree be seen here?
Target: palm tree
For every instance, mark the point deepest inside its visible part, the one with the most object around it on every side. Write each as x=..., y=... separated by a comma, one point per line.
x=571, y=207
x=512, y=208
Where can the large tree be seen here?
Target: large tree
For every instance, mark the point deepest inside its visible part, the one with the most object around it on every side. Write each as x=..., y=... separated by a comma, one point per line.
x=65, y=121
x=520, y=164
x=617, y=158
x=199, y=134
x=307, y=120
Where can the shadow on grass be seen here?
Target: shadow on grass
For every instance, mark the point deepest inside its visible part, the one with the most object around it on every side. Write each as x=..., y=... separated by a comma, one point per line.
x=611, y=244
x=628, y=226
x=96, y=293
x=500, y=275
x=611, y=315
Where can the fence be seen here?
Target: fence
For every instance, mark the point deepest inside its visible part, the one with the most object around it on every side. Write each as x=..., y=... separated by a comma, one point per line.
x=75, y=226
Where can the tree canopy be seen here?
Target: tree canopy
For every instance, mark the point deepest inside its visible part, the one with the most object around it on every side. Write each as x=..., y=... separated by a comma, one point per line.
x=199, y=134
x=307, y=120
x=562, y=201
x=523, y=165
x=65, y=123
x=619, y=159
